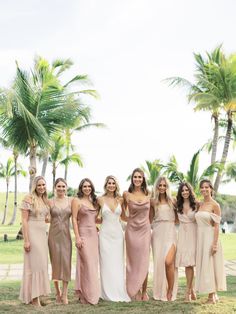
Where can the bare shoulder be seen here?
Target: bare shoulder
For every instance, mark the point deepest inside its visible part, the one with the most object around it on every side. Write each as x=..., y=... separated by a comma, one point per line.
x=216, y=207
x=100, y=200
x=120, y=200
x=125, y=195
x=75, y=201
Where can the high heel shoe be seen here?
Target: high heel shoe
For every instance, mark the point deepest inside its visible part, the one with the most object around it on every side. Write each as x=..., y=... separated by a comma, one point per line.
x=64, y=299
x=169, y=295
x=193, y=295
x=187, y=296
x=145, y=296
x=211, y=301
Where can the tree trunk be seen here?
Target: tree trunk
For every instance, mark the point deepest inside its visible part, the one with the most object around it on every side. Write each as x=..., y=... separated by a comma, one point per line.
x=15, y=154
x=32, y=167
x=225, y=151
x=44, y=167
x=53, y=176
x=68, y=142
x=6, y=204
x=215, y=138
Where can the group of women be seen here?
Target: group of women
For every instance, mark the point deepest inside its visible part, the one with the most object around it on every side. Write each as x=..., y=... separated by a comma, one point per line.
x=150, y=222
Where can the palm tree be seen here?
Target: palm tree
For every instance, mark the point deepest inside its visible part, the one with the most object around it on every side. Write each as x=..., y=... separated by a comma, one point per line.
x=214, y=91
x=39, y=108
x=152, y=169
x=7, y=172
x=192, y=176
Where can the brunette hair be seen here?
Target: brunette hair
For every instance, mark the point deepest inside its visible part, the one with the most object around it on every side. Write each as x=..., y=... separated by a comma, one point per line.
x=144, y=183
x=208, y=182
x=180, y=199
x=168, y=196
x=60, y=180
x=117, y=191
x=35, y=197
x=80, y=193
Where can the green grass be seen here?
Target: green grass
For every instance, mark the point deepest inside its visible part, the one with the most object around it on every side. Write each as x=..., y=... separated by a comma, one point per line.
x=9, y=303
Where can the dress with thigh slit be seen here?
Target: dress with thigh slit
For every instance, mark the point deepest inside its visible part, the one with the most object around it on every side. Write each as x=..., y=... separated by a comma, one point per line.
x=163, y=237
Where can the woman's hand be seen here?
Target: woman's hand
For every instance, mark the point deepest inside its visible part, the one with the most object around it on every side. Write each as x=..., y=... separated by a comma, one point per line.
x=27, y=246
x=214, y=249
x=79, y=243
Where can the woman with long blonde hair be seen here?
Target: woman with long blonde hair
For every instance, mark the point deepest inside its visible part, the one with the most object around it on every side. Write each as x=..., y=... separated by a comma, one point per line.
x=111, y=243
x=164, y=240
x=34, y=211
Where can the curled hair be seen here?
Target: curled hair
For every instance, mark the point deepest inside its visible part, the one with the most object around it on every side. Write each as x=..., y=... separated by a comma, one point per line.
x=209, y=183
x=167, y=194
x=80, y=193
x=180, y=199
x=117, y=190
x=143, y=185
x=35, y=196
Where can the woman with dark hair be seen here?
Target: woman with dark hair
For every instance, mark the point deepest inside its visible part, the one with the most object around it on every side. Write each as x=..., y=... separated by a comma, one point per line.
x=210, y=274
x=111, y=243
x=84, y=214
x=59, y=239
x=137, y=236
x=164, y=239
x=34, y=211
x=187, y=235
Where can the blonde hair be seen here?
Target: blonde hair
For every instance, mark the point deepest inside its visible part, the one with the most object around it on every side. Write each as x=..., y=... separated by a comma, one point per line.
x=168, y=191
x=35, y=197
x=117, y=191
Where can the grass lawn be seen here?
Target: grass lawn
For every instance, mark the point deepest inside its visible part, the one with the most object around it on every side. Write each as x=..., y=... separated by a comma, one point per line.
x=9, y=303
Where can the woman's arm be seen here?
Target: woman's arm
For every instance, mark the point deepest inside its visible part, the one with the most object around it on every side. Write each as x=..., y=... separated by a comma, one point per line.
x=152, y=210
x=124, y=207
x=217, y=211
x=75, y=209
x=98, y=217
x=25, y=229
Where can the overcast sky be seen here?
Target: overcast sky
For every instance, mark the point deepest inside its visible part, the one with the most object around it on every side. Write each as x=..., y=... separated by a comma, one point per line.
x=127, y=47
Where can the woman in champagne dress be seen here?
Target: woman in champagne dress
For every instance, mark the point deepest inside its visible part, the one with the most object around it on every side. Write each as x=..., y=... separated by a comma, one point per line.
x=187, y=235
x=35, y=209
x=111, y=244
x=164, y=239
x=137, y=236
x=210, y=273
x=59, y=240
x=84, y=214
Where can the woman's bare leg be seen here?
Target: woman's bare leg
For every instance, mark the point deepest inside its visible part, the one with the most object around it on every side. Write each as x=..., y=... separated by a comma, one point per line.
x=170, y=271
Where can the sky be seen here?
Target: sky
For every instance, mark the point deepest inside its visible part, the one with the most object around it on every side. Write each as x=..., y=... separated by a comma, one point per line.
x=127, y=47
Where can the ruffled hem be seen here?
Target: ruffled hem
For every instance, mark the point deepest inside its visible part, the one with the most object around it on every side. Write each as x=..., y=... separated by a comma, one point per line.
x=34, y=285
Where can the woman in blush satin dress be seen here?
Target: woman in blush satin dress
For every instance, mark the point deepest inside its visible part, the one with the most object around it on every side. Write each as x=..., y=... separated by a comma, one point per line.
x=187, y=235
x=164, y=239
x=35, y=209
x=111, y=244
x=84, y=214
x=210, y=273
x=59, y=240
x=137, y=236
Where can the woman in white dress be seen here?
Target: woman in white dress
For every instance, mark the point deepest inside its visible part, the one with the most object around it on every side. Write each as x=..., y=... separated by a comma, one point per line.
x=210, y=273
x=111, y=243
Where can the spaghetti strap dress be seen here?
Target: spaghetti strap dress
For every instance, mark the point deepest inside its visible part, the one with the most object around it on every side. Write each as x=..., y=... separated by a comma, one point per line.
x=86, y=281
x=138, y=238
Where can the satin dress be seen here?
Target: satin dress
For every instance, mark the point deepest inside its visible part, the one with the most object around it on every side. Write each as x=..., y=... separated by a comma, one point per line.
x=111, y=252
x=138, y=238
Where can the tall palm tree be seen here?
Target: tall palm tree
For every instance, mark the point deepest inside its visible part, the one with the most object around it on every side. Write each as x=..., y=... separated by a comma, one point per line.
x=6, y=172
x=38, y=109
x=214, y=90
x=152, y=169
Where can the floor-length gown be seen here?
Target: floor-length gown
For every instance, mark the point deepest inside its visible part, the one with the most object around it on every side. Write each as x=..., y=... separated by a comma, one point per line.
x=86, y=281
x=163, y=237
x=210, y=273
x=59, y=241
x=111, y=251
x=138, y=237
x=187, y=240
x=35, y=281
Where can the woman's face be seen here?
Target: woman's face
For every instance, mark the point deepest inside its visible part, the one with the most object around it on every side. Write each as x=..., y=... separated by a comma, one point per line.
x=41, y=187
x=111, y=185
x=205, y=189
x=61, y=188
x=137, y=179
x=86, y=188
x=185, y=192
x=162, y=187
